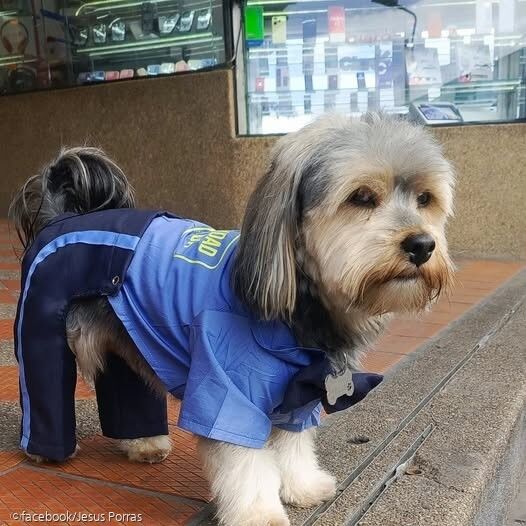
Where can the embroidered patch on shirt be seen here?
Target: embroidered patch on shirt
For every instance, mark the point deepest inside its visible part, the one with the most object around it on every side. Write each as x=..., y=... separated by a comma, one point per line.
x=205, y=246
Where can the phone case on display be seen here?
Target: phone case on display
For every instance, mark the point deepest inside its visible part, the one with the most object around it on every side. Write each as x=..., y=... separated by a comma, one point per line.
x=79, y=35
x=279, y=29
x=153, y=69
x=354, y=102
x=167, y=23
x=263, y=68
x=282, y=58
x=126, y=74
x=22, y=79
x=112, y=75
x=333, y=82
x=282, y=79
x=195, y=64
x=118, y=31
x=99, y=33
x=308, y=83
x=360, y=78
x=149, y=11
x=204, y=17
x=181, y=65
x=167, y=68
x=208, y=62
x=307, y=104
x=309, y=31
x=308, y=61
x=260, y=84
x=185, y=22
x=336, y=21
x=331, y=60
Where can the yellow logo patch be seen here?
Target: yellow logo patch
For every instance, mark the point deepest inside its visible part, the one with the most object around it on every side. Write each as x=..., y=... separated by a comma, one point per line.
x=212, y=245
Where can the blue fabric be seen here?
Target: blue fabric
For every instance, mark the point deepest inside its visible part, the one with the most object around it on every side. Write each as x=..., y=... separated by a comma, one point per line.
x=237, y=376
x=230, y=370
x=74, y=256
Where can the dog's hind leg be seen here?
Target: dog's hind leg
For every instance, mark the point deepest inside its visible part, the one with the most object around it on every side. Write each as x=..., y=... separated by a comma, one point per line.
x=131, y=399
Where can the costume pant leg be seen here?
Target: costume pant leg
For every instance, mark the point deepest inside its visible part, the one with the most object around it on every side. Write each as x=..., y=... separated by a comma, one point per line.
x=128, y=408
x=75, y=256
x=47, y=395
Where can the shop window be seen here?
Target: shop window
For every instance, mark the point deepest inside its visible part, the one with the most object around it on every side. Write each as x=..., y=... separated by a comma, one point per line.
x=436, y=61
x=62, y=43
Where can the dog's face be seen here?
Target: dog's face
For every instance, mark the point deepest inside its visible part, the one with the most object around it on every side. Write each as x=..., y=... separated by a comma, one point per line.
x=360, y=207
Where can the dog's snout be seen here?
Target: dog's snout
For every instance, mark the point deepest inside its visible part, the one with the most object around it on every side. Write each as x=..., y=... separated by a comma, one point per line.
x=419, y=248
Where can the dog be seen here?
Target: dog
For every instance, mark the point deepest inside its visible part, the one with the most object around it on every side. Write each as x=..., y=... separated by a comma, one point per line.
x=345, y=229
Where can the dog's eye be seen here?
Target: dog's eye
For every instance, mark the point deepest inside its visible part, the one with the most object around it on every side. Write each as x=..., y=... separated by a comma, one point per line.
x=423, y=199
x=363, y=197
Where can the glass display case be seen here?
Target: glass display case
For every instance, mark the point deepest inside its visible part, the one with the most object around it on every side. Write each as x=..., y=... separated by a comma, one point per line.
x=436, y=61
x=23, y=65
x=60, y=43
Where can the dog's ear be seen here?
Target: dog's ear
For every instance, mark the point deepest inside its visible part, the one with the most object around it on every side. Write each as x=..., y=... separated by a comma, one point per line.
x=264, y=276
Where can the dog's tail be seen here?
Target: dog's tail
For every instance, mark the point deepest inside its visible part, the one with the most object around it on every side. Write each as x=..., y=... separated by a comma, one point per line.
x=79, y=180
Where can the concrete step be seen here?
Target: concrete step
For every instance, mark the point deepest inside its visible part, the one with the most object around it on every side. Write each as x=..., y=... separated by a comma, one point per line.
x=446, y=434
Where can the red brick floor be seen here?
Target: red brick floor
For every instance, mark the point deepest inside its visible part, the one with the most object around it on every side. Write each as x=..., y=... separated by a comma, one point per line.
x=100, y=481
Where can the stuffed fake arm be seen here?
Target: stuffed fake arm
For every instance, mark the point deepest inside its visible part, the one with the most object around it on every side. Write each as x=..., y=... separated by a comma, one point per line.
x=311, y=383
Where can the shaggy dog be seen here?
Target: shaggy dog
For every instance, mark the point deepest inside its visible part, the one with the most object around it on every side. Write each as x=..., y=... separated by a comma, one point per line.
x=346, y=227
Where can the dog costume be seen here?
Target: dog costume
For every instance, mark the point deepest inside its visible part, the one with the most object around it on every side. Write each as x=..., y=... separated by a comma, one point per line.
x=168, y=281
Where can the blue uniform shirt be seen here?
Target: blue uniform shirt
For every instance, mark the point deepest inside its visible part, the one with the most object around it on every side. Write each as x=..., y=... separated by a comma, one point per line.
x=168, y=280
x=230, y=370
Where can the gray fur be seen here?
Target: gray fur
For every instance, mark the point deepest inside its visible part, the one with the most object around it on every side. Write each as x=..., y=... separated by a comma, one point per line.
x=79, y=180
x=307, y=169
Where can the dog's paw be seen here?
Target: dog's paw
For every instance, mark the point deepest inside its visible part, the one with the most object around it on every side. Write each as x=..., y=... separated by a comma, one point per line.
x=308, y=489
x=258, y=515
x=148, y=449
x=38, y=459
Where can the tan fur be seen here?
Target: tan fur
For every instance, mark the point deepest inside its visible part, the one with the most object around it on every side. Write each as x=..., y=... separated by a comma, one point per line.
x=303, y=236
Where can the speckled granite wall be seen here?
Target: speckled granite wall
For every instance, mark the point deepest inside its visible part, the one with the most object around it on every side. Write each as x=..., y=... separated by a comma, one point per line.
x=172, y=136
x=175, y=138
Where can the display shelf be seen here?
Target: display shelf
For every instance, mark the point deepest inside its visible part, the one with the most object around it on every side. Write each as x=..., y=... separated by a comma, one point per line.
x=149, y=44
x=23, y=67
x=352, y=56
x=76, y=42
x=17, y=60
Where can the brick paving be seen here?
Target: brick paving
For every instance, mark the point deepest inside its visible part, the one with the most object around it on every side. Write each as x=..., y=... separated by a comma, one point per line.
x=100, y=481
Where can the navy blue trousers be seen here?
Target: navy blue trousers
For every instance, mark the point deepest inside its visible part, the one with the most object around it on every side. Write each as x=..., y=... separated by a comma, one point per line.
x=77, y=257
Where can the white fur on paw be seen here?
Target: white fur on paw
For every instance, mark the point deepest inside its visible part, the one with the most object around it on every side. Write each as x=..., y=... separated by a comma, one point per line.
x=40, y=459
x=308, y=489
x=36, y=458
x=148, y=449
x=257, y=516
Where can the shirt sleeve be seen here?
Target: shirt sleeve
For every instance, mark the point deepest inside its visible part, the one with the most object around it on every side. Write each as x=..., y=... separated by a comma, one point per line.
x=213, y=405
x=308, y=386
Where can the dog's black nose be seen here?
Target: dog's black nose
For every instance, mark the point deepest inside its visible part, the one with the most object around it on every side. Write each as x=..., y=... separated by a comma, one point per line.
x=419, y=248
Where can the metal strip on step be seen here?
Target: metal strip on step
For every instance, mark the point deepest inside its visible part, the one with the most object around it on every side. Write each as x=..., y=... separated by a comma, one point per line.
x=395, y=472
x=320, y=510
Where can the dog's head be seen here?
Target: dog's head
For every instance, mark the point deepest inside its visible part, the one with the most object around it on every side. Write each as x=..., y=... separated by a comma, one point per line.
x=359, y=207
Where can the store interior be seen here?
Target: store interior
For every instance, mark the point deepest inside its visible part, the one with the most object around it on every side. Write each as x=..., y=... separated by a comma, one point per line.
x=434, y=61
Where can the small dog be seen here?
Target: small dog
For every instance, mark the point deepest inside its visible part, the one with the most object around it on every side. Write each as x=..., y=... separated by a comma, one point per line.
x=346, y=227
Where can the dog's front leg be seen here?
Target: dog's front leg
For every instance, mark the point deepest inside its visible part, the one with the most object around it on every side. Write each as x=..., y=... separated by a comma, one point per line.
x=245, y=484
x=303, y=482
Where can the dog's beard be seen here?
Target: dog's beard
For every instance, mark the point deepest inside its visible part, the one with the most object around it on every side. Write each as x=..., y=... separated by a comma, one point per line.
x=396, y=287
x=381, y=280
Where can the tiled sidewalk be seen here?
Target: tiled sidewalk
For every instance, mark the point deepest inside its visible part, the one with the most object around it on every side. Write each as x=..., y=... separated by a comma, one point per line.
x=101, y=482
